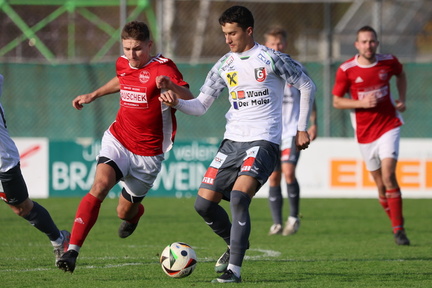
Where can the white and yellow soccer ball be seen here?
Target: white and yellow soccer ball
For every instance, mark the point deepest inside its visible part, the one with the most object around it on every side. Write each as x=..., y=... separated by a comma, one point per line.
x=178, y=260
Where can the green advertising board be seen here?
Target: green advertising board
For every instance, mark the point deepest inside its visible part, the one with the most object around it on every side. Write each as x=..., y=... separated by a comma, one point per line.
x=72, y=166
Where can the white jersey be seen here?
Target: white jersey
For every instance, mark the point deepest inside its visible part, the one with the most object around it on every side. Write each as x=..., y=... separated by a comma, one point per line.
x=9, y=155
x=290, y=114
x=256, y=79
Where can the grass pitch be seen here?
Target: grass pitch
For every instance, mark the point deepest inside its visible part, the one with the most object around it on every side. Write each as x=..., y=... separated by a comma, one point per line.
x=341, y=243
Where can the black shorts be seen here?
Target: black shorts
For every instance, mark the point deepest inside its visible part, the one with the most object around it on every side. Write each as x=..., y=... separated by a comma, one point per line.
x=256, y=159
x=13, y=189
x=289, y=155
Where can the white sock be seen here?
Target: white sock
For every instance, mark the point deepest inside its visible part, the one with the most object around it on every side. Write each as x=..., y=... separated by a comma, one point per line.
x=74, y=247
x=235, y=269
x=58, y=241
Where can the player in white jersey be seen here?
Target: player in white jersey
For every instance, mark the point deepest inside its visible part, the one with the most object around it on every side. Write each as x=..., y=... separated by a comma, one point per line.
x=276, y=38
x=255, y=76
x=13, y=190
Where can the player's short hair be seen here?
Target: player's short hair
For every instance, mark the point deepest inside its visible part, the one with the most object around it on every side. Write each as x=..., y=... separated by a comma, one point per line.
x=136, y=30
x=237, y=14
x=367, y=28
x=276, y=31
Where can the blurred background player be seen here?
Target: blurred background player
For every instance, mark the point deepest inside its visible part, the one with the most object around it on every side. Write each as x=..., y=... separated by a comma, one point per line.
x=133, y=146
x=255, y=77
x=13, y=190
x=376, y=118
x=276, y=38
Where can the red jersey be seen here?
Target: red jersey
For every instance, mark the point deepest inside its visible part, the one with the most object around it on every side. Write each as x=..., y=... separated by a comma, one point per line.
x=357, y=80
x=143, y=124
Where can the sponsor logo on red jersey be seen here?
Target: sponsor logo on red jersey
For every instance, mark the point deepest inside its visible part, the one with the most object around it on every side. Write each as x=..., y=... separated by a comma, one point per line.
x=133, y=97
x=144, y=76
x=383, y=75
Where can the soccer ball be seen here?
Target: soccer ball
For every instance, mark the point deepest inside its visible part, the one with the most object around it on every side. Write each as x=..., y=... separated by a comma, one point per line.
x=178, y=260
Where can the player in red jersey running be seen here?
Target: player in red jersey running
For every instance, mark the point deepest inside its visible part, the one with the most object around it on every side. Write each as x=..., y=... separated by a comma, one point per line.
x=376, y=118
x=133, y=147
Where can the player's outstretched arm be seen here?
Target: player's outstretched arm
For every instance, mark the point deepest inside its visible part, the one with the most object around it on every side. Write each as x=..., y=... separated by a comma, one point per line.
x=168, y=97
x=164, y=83
x=110, y=87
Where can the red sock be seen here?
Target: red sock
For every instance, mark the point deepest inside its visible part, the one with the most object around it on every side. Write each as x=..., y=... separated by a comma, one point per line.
x=395, y=204
x=136, y=218
x=86, y=216
x=384, y=203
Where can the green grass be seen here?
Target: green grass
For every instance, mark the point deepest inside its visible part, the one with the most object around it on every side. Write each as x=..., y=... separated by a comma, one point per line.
x=341, y=243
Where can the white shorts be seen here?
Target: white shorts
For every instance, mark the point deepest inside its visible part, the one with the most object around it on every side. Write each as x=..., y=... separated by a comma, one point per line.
x=387, y=146
x=139, y=172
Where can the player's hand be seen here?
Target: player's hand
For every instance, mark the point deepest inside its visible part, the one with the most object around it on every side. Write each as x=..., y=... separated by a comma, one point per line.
x=400, y=106
x=312, y=131
x=163, y=82
x=78, y=102
x=168, y=97
x=369, y=101
x=302, y=140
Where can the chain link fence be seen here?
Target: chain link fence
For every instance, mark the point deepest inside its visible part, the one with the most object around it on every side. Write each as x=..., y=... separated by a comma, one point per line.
x=53, y=51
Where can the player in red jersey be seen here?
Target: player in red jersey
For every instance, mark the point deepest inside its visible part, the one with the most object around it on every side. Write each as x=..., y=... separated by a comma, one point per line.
x=376, y=118
x=133, y=147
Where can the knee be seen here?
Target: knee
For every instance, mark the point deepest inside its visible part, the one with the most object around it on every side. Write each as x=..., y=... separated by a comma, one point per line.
x=20, y=211
x=202, y=206
x=239, y=198
x=23, y=209
x=389, y=180
x=100, y=190
x=290, y=176
x=275, y=179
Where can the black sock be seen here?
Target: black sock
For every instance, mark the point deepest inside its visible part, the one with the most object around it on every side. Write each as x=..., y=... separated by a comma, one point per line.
x=215, y=217
x=241, y=226
x=294, y=198
x=276, y=204
x=41, y=219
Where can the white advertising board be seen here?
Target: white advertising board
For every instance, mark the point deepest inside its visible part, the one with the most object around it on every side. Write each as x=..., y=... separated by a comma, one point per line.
x=333, y=168
x=34, y=165
x=329, y=168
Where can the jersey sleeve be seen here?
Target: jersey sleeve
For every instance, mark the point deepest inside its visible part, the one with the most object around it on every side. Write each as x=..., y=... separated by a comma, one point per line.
x=284, y=66
x=171, y=70
x=214, y=83
x=341, y=85
x=397, y=66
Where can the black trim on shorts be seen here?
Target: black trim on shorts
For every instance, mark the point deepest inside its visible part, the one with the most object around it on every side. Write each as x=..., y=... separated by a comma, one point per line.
x=130, y=198
x=106, y=160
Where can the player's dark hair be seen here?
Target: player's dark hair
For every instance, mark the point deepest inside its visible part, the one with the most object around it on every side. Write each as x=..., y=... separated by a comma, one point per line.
x=367, y=29
x=136, y=30
x=237, y=14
